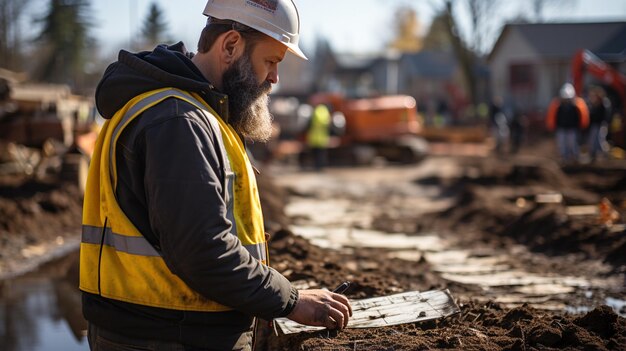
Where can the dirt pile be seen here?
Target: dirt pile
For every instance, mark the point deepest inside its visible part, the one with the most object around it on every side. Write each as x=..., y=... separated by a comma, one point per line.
x=478, y=327
x=40, y=208
x=371, y=271
x=495, y=203
x=36, y=217
x=503, y=197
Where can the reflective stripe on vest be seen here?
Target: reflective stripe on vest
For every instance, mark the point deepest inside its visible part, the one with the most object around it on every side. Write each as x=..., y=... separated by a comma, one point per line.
x=116, y=261
x=136, y=245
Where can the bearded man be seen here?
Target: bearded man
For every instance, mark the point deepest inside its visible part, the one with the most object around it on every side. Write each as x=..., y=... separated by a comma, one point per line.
x=173, y=251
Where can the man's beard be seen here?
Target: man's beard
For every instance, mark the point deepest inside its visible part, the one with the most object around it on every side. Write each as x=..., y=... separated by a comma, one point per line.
x=248, y=100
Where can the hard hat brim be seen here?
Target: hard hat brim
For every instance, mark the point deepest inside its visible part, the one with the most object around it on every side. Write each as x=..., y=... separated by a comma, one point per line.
x=296, y=51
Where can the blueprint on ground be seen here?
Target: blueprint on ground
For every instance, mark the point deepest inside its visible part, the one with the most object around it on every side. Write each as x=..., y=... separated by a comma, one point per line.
x=407, y=307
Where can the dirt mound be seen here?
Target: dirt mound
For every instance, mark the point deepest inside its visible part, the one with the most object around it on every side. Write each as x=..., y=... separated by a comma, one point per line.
x=298, y=260
x=35, y=217
x=41, y=208
x=494, y=203
x=500, y=197
x=478, y=326
x=520, y=171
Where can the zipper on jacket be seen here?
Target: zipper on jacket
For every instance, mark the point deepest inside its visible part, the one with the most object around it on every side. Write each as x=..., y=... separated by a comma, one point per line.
x=104, y=230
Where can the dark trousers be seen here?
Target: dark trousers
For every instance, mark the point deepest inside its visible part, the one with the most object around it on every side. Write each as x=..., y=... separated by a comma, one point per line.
x=104, y=340
x=320, y=157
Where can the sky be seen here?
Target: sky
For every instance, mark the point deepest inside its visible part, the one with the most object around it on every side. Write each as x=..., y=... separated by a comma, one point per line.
x=357, y=26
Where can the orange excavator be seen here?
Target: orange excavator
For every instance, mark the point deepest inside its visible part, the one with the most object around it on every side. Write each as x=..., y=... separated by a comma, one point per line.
x=585, y=62
x=385, y=126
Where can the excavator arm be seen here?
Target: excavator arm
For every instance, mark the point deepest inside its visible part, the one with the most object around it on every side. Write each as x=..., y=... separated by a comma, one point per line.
x=585, y=62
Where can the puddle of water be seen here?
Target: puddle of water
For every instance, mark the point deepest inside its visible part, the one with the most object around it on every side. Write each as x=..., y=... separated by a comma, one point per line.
x=618, y=305
x=42, y=311
x=577, y=309
x=41, y=314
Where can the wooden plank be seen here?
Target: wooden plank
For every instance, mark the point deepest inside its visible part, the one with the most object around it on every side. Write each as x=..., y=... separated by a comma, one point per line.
x=515, y=278
x=389, y=310
x=587, y=210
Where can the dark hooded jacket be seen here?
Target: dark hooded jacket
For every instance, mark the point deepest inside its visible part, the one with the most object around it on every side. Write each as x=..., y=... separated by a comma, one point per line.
x=170, y=179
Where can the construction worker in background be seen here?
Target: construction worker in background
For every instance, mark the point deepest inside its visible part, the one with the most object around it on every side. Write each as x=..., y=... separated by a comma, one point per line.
x=567, y=116
x=599, y=118
x=498, y=124
x=318, y=135
x=173, y=252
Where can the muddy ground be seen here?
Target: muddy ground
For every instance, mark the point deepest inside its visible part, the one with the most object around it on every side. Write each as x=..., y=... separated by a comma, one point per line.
x=39, y=221
x=492, y=207
x=488, y=206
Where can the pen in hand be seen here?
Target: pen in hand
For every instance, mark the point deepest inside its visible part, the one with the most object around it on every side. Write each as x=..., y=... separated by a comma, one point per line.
x=342, y=287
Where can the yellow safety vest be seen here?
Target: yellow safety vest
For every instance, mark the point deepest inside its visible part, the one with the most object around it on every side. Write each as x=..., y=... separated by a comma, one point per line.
x=116, y=260
x=319, y=133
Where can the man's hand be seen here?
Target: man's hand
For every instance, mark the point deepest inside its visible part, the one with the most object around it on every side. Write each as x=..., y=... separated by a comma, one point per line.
x=321, y=308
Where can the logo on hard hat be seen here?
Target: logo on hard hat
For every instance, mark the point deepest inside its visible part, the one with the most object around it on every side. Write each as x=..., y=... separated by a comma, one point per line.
x=267, y=5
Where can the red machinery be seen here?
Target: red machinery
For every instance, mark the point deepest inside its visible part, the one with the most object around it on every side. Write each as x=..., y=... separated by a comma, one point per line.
x=586, y=62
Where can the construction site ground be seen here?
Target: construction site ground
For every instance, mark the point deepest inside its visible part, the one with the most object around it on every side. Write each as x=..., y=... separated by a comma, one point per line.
x=521, y=243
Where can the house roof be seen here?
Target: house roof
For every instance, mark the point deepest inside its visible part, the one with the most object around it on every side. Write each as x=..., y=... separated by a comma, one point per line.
x=562, y=40
x=431, y=64
x=355, y=61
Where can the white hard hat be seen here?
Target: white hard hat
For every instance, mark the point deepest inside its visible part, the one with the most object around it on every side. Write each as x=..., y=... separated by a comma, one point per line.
x=567, y=91
x=278, y=19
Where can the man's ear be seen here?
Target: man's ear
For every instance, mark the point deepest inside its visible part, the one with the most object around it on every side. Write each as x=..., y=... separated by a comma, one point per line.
x=232, y=45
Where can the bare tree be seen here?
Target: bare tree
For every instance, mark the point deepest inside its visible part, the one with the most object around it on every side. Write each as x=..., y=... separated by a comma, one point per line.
x=484, y=19
x=471, y=43
x=465, y=55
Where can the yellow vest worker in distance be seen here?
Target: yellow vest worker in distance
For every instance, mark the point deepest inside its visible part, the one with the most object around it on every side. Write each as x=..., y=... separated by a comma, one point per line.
x=173, y=252
x=318, y=135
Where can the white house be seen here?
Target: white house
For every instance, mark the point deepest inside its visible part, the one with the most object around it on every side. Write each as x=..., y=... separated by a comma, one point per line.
x=531, y=61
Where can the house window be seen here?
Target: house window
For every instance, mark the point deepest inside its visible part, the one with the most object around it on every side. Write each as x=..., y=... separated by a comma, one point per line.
x=522, y=77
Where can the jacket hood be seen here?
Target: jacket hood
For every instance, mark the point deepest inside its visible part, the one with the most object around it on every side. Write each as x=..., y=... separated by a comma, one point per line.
x=134, y=74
